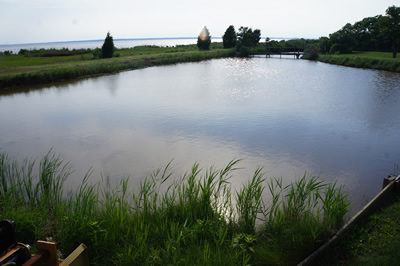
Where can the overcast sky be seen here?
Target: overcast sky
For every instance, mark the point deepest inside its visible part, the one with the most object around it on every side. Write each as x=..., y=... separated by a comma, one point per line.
x=34, y=21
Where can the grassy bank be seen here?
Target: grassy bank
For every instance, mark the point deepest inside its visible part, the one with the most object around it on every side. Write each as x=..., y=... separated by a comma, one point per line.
x=373, y=242
x=195, y=219
x=370, y=60
x=30, y=69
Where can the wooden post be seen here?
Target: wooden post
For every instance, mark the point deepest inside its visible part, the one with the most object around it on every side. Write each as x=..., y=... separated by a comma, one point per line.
x=387, y=180
x=79, y=257
x=47, y=255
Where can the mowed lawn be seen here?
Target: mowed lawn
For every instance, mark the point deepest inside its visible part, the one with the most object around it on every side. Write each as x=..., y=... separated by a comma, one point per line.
x=361, y=59
x=376, y=55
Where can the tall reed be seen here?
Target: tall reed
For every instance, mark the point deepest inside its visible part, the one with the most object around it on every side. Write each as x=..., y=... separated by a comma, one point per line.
x=301, y=216
x=194, y=219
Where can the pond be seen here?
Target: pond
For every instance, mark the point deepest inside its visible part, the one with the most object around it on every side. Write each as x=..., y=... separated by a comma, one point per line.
x=288, y=116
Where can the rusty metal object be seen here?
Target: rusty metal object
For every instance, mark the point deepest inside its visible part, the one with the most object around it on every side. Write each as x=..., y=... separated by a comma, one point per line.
x=14, y=253
x=11, y=252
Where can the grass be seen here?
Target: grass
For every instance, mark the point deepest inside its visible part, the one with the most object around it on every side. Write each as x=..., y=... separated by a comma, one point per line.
x=27, y=70
x=32, y=69
x=194, y=219
x=373, y=242
x=300, y=218
x=370, y=60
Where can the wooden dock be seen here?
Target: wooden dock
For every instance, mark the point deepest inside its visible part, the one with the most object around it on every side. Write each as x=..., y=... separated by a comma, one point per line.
x=294, y=51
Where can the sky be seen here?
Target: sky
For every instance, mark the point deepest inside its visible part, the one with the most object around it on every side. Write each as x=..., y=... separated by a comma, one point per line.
x=36, y=21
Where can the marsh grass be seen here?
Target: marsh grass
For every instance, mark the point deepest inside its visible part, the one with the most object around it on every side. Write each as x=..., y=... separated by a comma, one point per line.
x=194, y=219
x=300, y=217
x=370, y=60
x=19, y=70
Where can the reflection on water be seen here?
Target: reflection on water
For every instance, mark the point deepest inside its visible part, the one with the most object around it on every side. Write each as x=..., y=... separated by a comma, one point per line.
x=288, y=116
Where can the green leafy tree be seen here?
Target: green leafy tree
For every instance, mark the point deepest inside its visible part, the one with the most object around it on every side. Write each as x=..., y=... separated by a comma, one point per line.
x=366, y=33
x=248, y=37
x=382, y=39
x=393, y=13
x=229, y=37
x=204, y=39
x=324, y=45
x=343, y=40
x=107, y=50
x=311, y=52
x=256, y=36
x=379, y=33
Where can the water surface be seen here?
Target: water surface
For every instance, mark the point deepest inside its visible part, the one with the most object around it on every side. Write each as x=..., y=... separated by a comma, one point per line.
x=288, y=116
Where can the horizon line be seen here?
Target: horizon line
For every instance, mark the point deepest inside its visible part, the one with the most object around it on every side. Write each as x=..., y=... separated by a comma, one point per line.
x=126, y=39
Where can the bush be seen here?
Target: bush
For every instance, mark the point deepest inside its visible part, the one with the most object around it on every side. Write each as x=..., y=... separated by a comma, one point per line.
x=311, y=53
x=244, y=51
x=339, y=48
x=96, y=53
x=23, y=52
x=7, y=52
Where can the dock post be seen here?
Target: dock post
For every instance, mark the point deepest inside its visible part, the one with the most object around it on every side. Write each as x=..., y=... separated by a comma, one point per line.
x=387, y=180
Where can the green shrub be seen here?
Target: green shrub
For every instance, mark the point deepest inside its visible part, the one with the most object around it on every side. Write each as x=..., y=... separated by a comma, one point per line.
x=244, y=51
x=311, y=53
x=340, y=48
x=96, y=53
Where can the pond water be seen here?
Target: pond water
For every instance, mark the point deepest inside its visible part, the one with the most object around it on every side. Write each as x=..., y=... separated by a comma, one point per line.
x=288, y=116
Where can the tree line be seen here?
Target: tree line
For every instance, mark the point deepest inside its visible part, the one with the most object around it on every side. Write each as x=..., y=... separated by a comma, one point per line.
x=245, y=37
x=379, y=33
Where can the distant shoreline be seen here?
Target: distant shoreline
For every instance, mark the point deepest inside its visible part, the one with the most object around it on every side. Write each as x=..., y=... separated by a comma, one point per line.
x=101, y=40
x=130, y=39
x=93, y=44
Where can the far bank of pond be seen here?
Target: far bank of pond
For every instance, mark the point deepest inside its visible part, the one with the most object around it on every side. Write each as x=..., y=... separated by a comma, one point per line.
x=35, y=69
x=44, y=66
x=367, y=60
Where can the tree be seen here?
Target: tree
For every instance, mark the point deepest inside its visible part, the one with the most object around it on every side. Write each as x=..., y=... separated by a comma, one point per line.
x=256, y=36
x=324, y=45
x=379, y=33
x=248, y=37
x=229, y=37
x=204, y=39
x=393, y=13
x=366, y=34
x=107, y=50
x=343, y=40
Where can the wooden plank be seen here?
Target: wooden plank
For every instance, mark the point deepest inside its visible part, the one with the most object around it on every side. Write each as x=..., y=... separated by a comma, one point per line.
x=46, y=255
x=79, y=257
